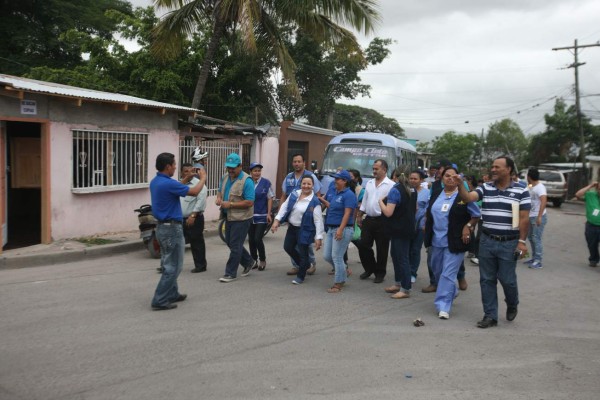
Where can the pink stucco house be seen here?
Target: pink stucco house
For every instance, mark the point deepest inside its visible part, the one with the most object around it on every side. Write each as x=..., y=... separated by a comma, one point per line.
x=76, y=162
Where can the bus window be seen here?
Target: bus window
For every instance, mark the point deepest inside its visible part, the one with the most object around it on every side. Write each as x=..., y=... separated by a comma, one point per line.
x=355, y=156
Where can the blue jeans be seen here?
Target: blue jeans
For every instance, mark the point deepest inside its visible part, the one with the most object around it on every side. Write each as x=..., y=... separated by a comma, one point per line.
x=333, y=251
x=235, y=235
x=445, y=266
x=414, y=255
x=399, y=249
x=592, y=237
x=497, y=263
x=298, y=252
x=172, y=247
x=535, y=237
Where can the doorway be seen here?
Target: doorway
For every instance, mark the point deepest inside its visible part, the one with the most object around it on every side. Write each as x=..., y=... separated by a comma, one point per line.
x=295, y=147
x=23, y=184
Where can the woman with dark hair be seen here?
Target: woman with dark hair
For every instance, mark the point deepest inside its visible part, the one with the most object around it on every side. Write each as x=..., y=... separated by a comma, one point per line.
x=448, y=233
x=263, y=203
x=360, y=192
x=416, y=179
x=399, y=209
x=340, y=201
x=302, y=209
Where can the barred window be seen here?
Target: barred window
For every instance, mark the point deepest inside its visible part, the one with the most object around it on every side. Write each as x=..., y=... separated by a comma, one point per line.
x=217, y=154
x=105, y=161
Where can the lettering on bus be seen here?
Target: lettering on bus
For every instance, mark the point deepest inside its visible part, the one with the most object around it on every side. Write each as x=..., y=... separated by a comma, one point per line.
x=362, y=151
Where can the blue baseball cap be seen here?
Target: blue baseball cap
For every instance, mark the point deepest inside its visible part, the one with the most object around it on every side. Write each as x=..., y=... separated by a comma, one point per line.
x=343, y=174
x=255, y=165
x=233, y=160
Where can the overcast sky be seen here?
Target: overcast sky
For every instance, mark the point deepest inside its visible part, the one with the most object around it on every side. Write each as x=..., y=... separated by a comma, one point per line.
x=481, y=61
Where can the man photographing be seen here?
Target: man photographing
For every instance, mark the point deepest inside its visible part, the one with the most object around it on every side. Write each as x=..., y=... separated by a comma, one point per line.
x=166, y=208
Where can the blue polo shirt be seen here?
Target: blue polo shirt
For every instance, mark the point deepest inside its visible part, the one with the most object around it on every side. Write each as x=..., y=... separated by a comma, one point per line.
x=496, y=206
x=338, y=203
x=393, y=197
x=165, y=193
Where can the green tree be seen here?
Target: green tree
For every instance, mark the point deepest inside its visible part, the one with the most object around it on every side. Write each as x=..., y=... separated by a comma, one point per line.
x=259, y=21
x=505, y=138
x=31, y=33
x=240, y=91
x=560, y=140
x=424, y=147
x=326, y=74
x=456, y=148
x=348, y=118
x=110, y=67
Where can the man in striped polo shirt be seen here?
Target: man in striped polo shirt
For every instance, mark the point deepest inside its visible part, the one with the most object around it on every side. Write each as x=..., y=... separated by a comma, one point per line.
x=505, y=214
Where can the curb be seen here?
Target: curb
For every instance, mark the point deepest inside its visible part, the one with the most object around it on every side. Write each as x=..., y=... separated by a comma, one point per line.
x=67, y=256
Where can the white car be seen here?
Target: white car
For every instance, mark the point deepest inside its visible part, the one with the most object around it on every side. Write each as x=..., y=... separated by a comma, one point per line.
x=555, y=182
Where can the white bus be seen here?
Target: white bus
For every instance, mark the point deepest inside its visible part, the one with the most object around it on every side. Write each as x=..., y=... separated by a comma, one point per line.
x=360, y=150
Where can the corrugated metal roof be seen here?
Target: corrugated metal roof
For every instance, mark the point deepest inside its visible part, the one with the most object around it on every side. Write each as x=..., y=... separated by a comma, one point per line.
x=313, y=129
x=55, y=89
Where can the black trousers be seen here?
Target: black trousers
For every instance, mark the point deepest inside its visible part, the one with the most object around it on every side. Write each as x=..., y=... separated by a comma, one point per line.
x=372, y=231
x=255, y=241
x=194, y=235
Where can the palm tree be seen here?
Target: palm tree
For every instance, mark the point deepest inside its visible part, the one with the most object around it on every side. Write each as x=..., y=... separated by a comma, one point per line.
x=260, y=21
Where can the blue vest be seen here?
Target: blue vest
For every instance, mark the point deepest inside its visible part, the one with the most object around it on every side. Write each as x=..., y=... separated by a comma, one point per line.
x=290, y=181
x=308, y=230
x=261, y=201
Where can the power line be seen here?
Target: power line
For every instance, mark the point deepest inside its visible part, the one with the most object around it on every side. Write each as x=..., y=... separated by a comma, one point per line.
x=576, y=66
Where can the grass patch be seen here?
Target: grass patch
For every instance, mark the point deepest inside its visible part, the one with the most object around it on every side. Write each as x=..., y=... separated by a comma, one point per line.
x=95, y=241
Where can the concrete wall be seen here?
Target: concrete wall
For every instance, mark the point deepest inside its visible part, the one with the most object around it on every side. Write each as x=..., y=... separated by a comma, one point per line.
x=74, y=215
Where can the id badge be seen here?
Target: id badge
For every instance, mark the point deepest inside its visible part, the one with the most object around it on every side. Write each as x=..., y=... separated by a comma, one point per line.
x=445, y=207
x=596, y=212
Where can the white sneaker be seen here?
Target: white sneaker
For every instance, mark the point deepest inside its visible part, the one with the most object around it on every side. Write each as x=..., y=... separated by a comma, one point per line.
x=475, y=260
x=413, y=279
x=443, y=315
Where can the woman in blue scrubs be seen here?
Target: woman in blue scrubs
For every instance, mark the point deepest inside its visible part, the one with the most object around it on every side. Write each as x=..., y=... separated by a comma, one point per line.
x=448, y=231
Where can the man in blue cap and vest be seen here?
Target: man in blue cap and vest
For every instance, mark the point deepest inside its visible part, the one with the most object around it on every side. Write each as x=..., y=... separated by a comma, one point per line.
x=236, y=199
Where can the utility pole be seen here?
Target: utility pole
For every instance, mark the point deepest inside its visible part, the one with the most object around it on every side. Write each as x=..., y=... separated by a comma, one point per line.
x=576, y=65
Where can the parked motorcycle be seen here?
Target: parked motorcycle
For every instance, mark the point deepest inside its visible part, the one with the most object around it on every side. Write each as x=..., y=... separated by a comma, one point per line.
x=148, y=229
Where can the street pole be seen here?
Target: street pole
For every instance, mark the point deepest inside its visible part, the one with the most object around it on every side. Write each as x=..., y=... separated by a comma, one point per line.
x=576, y=65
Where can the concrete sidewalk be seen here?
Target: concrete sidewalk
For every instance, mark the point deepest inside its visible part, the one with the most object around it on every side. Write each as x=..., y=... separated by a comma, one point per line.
x=70, y=250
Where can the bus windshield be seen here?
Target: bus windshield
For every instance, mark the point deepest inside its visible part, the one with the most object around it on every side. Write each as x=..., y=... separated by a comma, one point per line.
x=356, y=156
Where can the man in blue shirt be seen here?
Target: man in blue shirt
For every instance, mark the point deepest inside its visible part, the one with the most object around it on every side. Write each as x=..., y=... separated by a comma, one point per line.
x=236, y=199
x=166, y=208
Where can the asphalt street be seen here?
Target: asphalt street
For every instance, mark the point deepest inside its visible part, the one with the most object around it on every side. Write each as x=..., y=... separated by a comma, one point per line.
x=85, y=330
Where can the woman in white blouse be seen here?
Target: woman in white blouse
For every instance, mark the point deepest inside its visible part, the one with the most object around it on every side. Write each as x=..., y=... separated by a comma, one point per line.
x=302, y=211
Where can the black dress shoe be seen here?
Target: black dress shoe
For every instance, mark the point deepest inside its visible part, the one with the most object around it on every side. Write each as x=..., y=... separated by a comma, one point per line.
x=365, y=275
x=511, y=313
x=179, y=298
x=167, y=307
x=378, y=279
x=486, y=322
x=196, y=270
